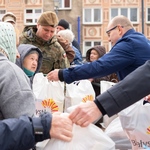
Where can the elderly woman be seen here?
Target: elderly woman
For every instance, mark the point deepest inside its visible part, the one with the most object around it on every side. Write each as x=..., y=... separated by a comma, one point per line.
x=30, y=60
x=17, y=99
x=68, y=36
x=93, y=54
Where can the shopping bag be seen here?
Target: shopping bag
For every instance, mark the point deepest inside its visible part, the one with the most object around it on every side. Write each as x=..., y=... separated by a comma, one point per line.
x=118, y=135
x=105, y=85
x=77, y=92
x=84, y=138
x=49, y=95
x=135, y=121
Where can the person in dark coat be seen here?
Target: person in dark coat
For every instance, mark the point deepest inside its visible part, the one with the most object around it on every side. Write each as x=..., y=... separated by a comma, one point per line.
x=24, y=132
x=93, y=54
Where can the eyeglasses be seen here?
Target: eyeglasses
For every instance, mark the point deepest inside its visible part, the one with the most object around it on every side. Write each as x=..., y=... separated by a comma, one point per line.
x=111, y=29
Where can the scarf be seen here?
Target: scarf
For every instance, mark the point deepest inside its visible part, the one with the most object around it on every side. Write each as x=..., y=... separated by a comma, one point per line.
x=28, y=72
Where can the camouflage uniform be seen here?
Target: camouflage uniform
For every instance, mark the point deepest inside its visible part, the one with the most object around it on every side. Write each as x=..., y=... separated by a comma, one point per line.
x=54, y=56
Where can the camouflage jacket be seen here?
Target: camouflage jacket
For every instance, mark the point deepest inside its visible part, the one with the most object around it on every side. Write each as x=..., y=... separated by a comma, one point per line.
x=54, y=56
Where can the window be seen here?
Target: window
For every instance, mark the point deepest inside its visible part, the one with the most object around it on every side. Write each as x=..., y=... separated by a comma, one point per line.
x=63, y=4
x=31, y=16
x=92, y=15
x=131, y=13
x=88, y=44
x=148, y=15
x=2, y=12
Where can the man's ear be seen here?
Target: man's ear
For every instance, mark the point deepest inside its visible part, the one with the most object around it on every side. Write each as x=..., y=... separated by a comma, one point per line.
x=120, y=29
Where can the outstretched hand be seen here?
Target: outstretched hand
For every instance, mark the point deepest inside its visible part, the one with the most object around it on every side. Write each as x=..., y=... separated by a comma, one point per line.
x=53, y=75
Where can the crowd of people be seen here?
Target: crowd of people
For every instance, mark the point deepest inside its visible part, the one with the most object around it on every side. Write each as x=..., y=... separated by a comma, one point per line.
x=51, y=48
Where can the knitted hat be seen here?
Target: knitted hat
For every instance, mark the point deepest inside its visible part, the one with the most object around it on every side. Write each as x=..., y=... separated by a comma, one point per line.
x=48, y=18
x=100, y=49
x=9, y=16
x=63, y=23
x=8, y=40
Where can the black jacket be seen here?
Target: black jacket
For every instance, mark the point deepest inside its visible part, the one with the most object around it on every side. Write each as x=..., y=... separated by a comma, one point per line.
x=128, y=91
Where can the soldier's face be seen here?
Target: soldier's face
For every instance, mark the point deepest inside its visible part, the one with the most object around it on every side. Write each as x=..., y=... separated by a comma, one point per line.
x=45, y=32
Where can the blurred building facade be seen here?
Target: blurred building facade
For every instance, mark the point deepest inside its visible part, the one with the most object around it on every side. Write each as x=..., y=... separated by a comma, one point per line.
x=88, y=19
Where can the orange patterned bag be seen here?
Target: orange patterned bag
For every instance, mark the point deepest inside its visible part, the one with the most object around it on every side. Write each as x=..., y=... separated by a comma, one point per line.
x=50, y=95
x=77, y=92
x=135, y=121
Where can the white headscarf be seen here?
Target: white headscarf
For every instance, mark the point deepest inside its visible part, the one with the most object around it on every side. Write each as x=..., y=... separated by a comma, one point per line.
x=8, y=40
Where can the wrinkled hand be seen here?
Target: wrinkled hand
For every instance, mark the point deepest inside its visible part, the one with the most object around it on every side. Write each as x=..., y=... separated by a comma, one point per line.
x=53, y=75
x=61, y=127
x=61, y=40
x=85, y=113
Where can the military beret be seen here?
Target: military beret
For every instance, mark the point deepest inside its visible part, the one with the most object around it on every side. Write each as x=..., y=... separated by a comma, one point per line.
x=48, y=18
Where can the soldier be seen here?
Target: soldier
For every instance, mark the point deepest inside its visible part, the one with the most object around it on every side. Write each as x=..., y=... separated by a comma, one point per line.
x=54, y=56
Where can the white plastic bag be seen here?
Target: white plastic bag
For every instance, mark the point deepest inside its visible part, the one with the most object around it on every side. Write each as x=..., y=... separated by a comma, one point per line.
x=105, y=85
x=87, y=138
x=118, y=135
x=77, y=92
x=50, y=95
x=135, y=121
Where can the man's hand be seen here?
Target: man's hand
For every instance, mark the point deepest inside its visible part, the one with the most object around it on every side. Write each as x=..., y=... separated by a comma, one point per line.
x=85, y=113
x=61, y=127
x=53, y=75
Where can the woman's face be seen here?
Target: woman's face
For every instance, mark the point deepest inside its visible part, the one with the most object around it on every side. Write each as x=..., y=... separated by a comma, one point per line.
x=30, y=62
x=94, y=55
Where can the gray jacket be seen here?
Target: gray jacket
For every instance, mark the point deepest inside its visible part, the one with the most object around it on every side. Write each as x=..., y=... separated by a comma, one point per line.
x=16, y=96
